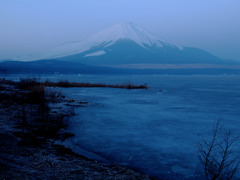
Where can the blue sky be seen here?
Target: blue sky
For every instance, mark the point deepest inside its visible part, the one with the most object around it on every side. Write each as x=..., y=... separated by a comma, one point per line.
x=29, y=26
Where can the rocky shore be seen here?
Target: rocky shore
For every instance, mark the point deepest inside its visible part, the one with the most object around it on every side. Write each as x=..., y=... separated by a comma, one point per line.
x=30, y=123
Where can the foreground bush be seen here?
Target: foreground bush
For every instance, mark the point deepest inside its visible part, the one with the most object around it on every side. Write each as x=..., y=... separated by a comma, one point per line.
x=30, y=100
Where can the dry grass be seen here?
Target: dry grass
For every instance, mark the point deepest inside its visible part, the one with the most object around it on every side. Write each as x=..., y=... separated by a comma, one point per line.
x=67, y=84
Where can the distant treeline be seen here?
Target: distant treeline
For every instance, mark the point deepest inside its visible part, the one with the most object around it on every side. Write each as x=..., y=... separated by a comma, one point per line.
x=62, y=67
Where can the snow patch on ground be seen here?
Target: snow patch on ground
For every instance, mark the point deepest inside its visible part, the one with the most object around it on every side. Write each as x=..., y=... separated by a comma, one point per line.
x=98, y=53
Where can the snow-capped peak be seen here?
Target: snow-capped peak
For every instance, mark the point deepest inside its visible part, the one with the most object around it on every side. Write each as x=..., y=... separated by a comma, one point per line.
x=106, y=38
x=126, y=31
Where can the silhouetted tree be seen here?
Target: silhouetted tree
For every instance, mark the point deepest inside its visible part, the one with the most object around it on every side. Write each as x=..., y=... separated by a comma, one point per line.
x=218, y=156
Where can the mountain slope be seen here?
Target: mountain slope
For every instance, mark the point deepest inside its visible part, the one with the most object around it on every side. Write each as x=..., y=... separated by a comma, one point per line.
x=106, y=38
x=125, y=51
x=127, y=43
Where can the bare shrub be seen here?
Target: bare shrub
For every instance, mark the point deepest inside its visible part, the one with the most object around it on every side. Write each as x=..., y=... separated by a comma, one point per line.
x=28, y=83
x=36, y=95
x=53, y=95
x=219, y=155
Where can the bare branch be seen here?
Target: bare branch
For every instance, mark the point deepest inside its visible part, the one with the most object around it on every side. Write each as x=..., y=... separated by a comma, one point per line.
x=217, y=155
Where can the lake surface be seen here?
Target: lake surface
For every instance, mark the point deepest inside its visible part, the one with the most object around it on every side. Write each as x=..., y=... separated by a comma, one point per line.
x=155, y=131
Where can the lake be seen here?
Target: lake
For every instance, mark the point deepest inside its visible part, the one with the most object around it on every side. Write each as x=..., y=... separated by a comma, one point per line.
x=153, y=130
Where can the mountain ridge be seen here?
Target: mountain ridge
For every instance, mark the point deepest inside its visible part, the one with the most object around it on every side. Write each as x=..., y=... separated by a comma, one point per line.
x=62, y=67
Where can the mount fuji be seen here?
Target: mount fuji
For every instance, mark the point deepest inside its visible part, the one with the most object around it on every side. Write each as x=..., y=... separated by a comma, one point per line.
x=127, y=44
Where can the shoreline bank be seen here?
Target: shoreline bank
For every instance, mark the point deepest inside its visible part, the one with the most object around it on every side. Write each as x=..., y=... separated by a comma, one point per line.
x=29, y=128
